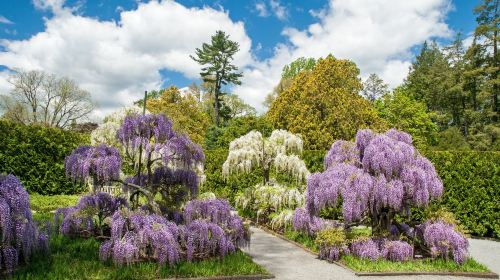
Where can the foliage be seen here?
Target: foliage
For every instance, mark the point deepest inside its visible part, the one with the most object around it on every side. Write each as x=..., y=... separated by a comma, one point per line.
x=39, y=98
x=451, y=139
x=374, y=88
x=222, y=187
x=406, y=114
x=89, y=216
x=220, y=137
x=218, y=70
x=35, y=154
x=332, y=243
x=471, y=181
x=79, y=259
x=185, y=111
x=238, y=107
x=323, y=105
x=19, y=236
x=297, y=66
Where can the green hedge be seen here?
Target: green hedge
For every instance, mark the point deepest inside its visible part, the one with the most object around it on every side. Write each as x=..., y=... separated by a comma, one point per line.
x=36, y=155
x=471, y=181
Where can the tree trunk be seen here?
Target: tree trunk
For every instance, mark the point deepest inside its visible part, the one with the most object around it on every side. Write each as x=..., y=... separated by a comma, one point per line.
x=216, y=108
x=266, y=175
x=494, y=94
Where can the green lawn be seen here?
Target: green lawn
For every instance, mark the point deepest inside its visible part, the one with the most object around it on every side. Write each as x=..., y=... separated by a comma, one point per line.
x=46, y=203
x=365, y=265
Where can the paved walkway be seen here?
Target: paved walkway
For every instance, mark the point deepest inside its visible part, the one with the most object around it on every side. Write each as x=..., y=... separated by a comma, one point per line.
x=287, y=261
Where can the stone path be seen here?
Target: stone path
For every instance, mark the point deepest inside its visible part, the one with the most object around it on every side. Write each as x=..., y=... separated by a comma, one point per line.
x=287, y=261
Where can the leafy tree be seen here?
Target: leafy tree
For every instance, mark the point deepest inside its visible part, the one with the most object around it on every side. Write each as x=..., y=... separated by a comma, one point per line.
x=488, y=19
x=451, y=139
x=374, y=88
x=288, y=73
x=406, y=114
x=45, y=99
x=238, y=107
x=185, y=111
x=323, y=104
x=220, y=137
x=300, y=64
x=218, y=70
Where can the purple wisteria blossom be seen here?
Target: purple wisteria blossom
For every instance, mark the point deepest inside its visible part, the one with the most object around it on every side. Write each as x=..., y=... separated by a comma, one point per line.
x=87, y=217
x=305, y=223
x=444, y=241
x=19, y=237
x=368, y=249
x=377, y=174
x=397, y=251
x=102, y=163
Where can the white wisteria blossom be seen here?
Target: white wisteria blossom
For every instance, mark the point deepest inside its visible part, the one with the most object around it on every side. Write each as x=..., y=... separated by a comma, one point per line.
x=265, y=199
x=282, y=220
x=281, y=149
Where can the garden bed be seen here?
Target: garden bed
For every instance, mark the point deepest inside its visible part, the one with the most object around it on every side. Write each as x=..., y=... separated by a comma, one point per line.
x=364, y=267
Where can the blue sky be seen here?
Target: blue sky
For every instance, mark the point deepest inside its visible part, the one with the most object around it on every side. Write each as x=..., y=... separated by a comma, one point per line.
x=116, y=49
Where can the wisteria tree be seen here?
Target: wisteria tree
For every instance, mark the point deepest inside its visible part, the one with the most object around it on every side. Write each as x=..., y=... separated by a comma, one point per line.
x=164, y=161
x=19, y=236
x=375, y=179
x=281, y=151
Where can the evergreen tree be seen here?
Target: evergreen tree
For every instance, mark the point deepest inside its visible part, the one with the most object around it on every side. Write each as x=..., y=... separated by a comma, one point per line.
x=218, y=70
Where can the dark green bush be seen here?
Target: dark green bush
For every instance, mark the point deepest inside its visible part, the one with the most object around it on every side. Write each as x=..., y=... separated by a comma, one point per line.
x=36, y=155
x=471, y=182
x=471, y=188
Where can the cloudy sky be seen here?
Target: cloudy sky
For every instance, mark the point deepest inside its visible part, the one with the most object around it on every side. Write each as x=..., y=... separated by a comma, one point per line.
x=116, y=49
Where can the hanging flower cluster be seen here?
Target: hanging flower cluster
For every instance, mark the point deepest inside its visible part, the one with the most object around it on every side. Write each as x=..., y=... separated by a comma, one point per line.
x=210, y=229
x=443, y=240
x=252, y=150
x=267, y=199
x=88, y=217
x=305, y=223
x=102, y=163
x=19, y=237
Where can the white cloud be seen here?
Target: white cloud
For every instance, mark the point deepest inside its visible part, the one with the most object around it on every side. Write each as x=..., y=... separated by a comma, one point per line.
x=261, y=9
x=376, y=34
x=279, y=10
x=5, y=20
x=117, y=61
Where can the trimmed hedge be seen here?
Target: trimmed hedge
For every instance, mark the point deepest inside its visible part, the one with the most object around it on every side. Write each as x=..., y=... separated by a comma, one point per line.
x=36, y=155
x=471, y=181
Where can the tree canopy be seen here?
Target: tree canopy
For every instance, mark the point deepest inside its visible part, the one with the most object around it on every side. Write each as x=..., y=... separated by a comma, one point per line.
x=323, y=104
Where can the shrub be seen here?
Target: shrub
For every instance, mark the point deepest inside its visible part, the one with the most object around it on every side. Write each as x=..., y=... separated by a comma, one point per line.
x=35, y=154
x=19, y=236
x=88, y=217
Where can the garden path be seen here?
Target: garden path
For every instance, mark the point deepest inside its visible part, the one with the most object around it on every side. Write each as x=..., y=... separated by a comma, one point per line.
x=287, y=261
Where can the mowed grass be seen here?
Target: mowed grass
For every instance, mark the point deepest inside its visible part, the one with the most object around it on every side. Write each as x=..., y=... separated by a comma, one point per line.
x=49, y=203
x=365, y=265
x=423, y=265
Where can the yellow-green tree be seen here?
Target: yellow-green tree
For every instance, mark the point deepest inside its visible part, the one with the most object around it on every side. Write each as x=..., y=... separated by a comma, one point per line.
x=185, y=111
x=323, y=104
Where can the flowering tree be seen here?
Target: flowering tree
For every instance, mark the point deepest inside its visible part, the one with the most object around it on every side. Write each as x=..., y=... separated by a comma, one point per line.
x=163, y=160
x=19, y=236
x=376, y=178
x=281, y=151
